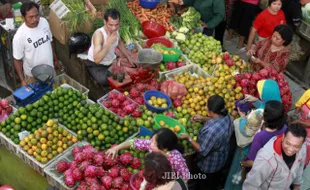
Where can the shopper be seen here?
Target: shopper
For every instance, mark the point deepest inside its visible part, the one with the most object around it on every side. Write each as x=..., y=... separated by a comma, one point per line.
x=267, y=90
x=32, y=44
x=158, y=172
x=101, y=54
x=273, y=51
x=266, y=21
x=274, y=124
x=303, y=107
x=164, y=141
x=242, y=19
x=213, y=144
x=245, y=129
x=212, y=12
x=279, y=164
x=292, y=12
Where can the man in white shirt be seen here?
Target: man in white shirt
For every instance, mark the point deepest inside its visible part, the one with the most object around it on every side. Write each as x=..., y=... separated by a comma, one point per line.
x=32, y=44
x=101, y=53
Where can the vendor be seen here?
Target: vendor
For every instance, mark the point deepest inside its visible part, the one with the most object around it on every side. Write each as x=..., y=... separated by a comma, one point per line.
x=212, y=13
x=213, y=144
x=163, y=141
x=32, y=44
x=101, y=54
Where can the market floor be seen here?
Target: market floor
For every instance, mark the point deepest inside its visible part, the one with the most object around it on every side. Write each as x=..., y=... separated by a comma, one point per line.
x=296, y=89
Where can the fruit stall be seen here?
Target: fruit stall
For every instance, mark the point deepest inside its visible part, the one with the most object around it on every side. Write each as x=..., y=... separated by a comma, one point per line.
x=63, y=134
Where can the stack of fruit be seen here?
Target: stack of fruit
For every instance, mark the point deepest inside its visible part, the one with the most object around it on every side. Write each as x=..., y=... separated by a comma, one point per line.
x=198, y=46
x=47, y=142
x=136, y=91
x=146, y=119
x=172, y=65
x=248, y=81
x=94, y=170
x=5, y=109
x=157, y=102
x=119, y=104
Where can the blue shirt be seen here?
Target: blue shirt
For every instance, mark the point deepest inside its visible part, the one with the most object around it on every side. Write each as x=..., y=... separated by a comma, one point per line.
x=214, y=139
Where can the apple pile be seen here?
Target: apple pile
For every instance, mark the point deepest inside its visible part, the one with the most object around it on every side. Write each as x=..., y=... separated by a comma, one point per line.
x=5, y=109
x=94, y=170
x=119, y=104
x=247, y=81
x=136, y=91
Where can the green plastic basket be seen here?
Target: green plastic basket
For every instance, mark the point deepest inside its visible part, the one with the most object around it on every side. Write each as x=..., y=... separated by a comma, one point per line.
x=171, y=57
x=169, y=121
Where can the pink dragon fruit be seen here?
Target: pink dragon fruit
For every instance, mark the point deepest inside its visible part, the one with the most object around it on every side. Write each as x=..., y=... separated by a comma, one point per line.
x=248, y=76
x=114, y=172
x=126, y=102
x=126, y=158
x=68, y=173
x=137, y=113
x=139, y=100
x=94, y=186
x=177, y=103
x=82, y=187
x=244, y=83
x=125, y=174
x=140, y=87
x=134, y=92
x=62, y=166
x=170, y=114
x=256, y=77
x=112, y=95
x=137, y=182
x=229, y=62
x=98, y=159
x=115, y=103
x=180, y=64
x=263, y=73
x=69, y=181
x=77, y=174
x=74, y=165
x=90, y=171
x=79, y=157
x=170, y=65
x=136, y=163
x=121, y=97
x=129, y=108
x=107, y=181
x=125, y=186
x=4, y=103
x=84, y=165
x=91, y=180
x=100, y=172
x=106, y=104
x=118, y=182
x=76, y=150
x=226, y=56
x=109, y=161
x=8, y=110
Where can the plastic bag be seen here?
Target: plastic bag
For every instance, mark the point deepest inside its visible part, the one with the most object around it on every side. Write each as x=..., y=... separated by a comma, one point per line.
x=173, y=89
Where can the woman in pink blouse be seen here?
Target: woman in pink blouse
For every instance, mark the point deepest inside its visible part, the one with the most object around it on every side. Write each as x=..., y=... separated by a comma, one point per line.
x=163, y=141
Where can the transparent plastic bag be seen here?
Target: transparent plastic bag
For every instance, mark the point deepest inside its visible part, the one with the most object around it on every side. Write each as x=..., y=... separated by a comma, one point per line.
x=173, y=89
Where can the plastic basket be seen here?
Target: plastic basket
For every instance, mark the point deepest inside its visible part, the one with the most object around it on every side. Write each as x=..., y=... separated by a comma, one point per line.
x=148, y=94
x=33, y=163
x=149, y=4
x=9, y=144
x=186, y=61
x=171, y=57
x=63, y=79
x=105, y=97
x=304, y=29
x=143, y=43
x=53, y=177
x=169, y=121
x=192, y=69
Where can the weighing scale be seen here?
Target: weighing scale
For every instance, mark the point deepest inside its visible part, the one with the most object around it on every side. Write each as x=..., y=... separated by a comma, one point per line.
x=33, y=92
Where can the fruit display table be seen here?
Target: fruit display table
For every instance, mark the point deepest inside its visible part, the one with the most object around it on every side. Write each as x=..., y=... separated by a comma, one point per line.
x=18, y=174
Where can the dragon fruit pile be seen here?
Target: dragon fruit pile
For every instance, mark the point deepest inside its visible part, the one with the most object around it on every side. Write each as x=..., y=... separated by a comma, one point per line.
x=136, y=91
x=5, y=108
x=119, y=104
x=247, y=81
x=94, y=170
x=138, y=179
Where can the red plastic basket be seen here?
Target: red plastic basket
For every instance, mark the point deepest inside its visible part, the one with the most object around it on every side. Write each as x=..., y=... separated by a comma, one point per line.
x=152, y=29
x=158, y=40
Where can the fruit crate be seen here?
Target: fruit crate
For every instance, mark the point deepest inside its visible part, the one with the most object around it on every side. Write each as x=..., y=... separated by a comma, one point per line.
x=38, y=166
x=54, y=178
x=65, y=81
x=9, y=144
x=163, y=74
x=193, y=69
x=105, y=97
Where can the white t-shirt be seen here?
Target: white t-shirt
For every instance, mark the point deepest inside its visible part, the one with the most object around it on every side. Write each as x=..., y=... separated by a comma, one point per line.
x=33, y=46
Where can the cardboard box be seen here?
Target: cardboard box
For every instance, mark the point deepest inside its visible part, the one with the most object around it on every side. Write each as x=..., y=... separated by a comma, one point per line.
x=61, y=31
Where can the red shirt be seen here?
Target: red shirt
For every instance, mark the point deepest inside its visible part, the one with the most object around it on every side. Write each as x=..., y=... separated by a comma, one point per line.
x=266, y=22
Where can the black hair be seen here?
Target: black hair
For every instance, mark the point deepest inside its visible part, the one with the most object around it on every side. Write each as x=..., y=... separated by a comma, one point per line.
x=286, y=33
x=271, y=1
x=274, y=115
x=156, y=165
x=27, y=7
x=113, y=13
x=297, y=131
x=216, y=104
x=167, y=139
